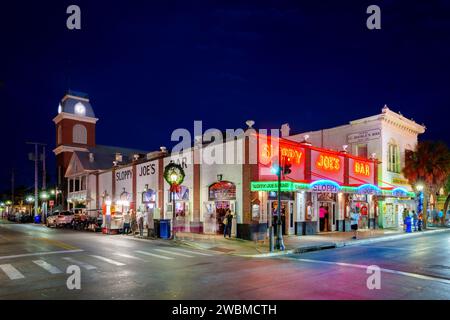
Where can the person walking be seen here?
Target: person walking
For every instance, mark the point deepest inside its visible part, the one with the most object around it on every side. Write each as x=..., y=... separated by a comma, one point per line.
x=354, y=223
x=229, y=219
x=140, y=219
x=322, y=212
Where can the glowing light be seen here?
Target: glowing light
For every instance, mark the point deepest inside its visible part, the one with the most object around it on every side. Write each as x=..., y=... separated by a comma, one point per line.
x=80, y=108
x=369, y=189
x=361, y=168
x=328, y=163
x=325, y=186
x=419, y=187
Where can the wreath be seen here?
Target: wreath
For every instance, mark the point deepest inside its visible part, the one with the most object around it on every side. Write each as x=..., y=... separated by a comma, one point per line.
x=169, y=170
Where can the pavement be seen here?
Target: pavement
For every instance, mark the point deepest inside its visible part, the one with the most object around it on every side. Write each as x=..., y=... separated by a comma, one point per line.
x=297, y=244
x=35, y=263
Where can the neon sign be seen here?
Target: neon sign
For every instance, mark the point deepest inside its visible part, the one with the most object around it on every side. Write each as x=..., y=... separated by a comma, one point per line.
x=328, y=163
x=400, y=192
x=361, y=168
x=369, y=189
x=294, y=155
x=325, y=186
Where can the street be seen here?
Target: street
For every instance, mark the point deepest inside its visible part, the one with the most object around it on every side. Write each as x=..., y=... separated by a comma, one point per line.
x=34, y=260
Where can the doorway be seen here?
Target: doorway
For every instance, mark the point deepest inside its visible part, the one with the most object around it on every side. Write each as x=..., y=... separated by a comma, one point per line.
x=287, y=215
x=327, y=216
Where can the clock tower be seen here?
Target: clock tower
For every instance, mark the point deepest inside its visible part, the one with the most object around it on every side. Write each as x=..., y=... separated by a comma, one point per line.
x=75, y=131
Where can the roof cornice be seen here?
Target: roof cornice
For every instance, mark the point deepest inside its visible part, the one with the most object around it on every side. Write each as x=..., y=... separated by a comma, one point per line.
x=65, y=115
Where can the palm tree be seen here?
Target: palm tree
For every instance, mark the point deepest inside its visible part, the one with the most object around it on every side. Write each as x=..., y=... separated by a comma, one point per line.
x=428, y=165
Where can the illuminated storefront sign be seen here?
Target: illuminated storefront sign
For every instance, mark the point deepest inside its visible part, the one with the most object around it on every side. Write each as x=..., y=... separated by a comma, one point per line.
x=325, y=186
x=400, y=192
x=361, y=168
x=368, y=189
x=267, y=153
x=328, y=162
x=271, y=186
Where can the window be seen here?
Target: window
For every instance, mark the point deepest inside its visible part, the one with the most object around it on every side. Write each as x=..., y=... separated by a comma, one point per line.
x=79, y=134
x=361, y=150
x=393, y=157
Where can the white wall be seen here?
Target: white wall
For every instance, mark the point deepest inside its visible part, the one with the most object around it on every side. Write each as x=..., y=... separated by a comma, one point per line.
x=124, y=179
x=91, y=191
x=146, y=173
x=105, y=184
x=186, y=160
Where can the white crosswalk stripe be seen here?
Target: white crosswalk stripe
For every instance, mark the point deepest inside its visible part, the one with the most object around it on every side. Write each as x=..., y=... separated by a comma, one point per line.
x=193, y=252
x=127, y=256
x=80, y=263
x=110, y=261
x=47, y=266
x=154, y=255
x=11, y=272
x=174, y=253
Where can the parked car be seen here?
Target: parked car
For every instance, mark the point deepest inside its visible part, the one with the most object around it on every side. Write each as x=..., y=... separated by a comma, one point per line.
x=80, y=221
x=64, y=219
x=26, y=217
x=51, y=219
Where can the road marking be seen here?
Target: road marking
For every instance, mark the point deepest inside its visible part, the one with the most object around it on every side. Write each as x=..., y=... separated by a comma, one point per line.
x=39, y=254
x=116, y=263
x=154, y=255
x=193, y=252
x=127, y=256
x=361, y=266
x=11, y=272
x=395, y=248
x=47, y=266
x=57, y=243
x=174, y=253
x=80, y=263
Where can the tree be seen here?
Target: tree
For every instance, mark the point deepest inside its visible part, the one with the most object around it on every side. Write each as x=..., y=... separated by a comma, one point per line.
x=447, y=201
x=428, y=165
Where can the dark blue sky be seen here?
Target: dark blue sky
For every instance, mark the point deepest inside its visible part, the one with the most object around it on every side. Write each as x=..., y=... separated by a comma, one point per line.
x=153, y=66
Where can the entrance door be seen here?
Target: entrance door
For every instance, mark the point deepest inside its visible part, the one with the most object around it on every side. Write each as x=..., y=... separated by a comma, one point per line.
x=327, y=215
x=287, y=215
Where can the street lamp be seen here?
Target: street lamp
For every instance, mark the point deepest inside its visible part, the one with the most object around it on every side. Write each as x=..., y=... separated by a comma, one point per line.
x=277, y=170
x=419, y=187
x=174, y=175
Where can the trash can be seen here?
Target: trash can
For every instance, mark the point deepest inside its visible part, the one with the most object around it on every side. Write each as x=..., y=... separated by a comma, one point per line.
x=408, y=224
x=164, y=228
x=157, y=229
x=37, y=219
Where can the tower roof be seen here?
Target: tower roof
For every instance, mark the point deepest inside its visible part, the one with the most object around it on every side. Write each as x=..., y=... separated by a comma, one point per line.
x=76, y=103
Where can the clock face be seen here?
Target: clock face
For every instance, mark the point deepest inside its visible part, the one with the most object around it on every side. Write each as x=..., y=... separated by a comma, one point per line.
x=80, y=109
x=59, y=108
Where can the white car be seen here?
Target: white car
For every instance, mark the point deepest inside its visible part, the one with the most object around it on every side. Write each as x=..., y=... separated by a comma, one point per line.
x=64, y=219
x=51, y=219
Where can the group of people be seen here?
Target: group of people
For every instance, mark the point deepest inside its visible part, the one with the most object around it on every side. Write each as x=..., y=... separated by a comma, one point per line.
x=416, y=219
x=133, y=222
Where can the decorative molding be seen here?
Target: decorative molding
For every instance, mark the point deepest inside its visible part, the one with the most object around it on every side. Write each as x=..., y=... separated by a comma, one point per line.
x=65, y=115
x=62, y=149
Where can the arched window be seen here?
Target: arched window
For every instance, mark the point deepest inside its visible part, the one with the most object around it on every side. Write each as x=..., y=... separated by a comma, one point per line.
x=393, y=157
x=59, y=135
x=79, y=134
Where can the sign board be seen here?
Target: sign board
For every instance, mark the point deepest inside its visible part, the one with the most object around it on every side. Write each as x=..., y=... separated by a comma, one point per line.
x=364, y=136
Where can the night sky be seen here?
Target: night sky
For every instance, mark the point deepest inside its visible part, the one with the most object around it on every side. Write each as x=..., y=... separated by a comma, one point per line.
x=150, y=67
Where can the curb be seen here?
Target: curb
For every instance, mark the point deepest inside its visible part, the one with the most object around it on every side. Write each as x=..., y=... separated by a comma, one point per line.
x=335, y=245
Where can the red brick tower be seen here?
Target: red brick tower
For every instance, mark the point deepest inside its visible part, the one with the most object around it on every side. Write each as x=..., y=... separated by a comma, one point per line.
x=75, y=131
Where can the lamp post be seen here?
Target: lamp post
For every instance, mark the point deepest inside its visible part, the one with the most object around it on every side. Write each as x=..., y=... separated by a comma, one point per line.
x=174, y=176
x=279, y=241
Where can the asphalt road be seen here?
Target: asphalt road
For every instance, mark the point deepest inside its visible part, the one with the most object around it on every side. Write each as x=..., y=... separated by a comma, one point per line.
x=34, y=260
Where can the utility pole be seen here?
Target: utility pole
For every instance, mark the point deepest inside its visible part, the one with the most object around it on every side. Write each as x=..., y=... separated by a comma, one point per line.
x=12, y=187
x=36, y=175
x=44, y=185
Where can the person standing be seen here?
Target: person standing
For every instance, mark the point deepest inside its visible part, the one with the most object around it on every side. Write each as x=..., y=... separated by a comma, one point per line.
x=229, y=218
x=322, y=218
x=126, y=223
x=354, y=223
x=140, y=219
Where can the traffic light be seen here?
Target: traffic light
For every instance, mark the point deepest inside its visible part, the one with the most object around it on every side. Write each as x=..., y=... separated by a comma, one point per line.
x=275, y=170
x=287, y=167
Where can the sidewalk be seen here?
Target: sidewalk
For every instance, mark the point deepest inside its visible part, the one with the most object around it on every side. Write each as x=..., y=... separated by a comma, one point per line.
x=295, y=244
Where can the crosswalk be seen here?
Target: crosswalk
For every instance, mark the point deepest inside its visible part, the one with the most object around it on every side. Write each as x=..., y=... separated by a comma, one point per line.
x=94, y=262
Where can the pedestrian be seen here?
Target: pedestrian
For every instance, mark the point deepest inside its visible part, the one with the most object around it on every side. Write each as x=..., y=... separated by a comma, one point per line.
x=126, y=222
x=322, y=218
x=415, y=219
x=140, y=219
x=441, y=217
x=354, y=223
x=225, y=230
x=229, y=218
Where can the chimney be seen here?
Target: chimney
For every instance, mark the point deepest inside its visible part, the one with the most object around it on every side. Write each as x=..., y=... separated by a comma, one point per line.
x=118, y=157
x=163, y=149
x=91, y=157
x=135, y=157
x=285, y=130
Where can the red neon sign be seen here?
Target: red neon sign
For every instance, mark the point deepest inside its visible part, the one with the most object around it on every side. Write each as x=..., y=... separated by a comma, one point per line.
x=328, y=162
x=293, y=155
x=361, y=168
